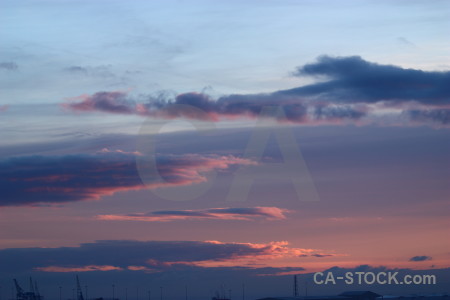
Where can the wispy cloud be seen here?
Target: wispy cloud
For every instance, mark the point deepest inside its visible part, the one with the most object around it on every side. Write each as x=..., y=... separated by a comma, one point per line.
x=90, y=268
x=236, y=213
x=9, y=66
x=94, y=71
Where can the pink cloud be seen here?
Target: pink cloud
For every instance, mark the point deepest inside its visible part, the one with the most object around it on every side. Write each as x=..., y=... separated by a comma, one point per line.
x=238, y=213
x=56, y=179
x=200, y=106
x=111, y=102
x=277, y=254
x=141, y=268
x=89, y=268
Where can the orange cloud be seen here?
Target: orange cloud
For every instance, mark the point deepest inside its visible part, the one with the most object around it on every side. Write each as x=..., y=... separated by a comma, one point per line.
x=279, y=253
x=161, y=256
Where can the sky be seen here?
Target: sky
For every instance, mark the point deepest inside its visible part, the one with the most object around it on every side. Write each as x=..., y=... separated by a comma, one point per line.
x=223, y=145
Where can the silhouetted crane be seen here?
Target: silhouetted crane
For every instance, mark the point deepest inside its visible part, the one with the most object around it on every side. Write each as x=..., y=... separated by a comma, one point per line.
x=20, y=294
x=33, y=294
x=79, y=291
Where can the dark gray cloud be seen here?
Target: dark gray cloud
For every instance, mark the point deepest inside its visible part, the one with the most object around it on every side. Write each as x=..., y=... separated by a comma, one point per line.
x=154, y=256
x=43, y=179
x=338, y=112
x=420, y=258
x=27, y=180
x=250, y=106
x=201, y=106
x=121, y=254
x=76, y=69
x=9, y=66
x=321, y=255
x=146, y=265
x=440, y=116
x=353, y=79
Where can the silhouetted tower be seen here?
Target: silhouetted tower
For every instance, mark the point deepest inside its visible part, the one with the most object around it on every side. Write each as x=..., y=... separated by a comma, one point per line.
x=31, y=286
x=36, y=290
x=79, y=291
x=295, y=286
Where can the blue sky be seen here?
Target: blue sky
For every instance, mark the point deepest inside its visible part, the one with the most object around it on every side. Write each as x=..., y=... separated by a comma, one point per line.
x=230, y=47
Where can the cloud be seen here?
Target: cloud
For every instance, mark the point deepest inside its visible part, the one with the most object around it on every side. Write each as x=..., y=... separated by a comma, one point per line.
x=27, y=180
x=9, y=66
x=321, y=255
x=439, y=116
x=201, y=106
x=420, y=258
x=76, y=69
x=347, y=91
x=405, y=42
x=236, y=213
x=332, y=112
x=77, y=269
x=94, y=71
x=110, y=102
x=154, y=256
x=355, y=80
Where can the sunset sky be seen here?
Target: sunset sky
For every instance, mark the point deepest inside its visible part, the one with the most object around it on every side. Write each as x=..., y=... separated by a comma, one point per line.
x=152, y=144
